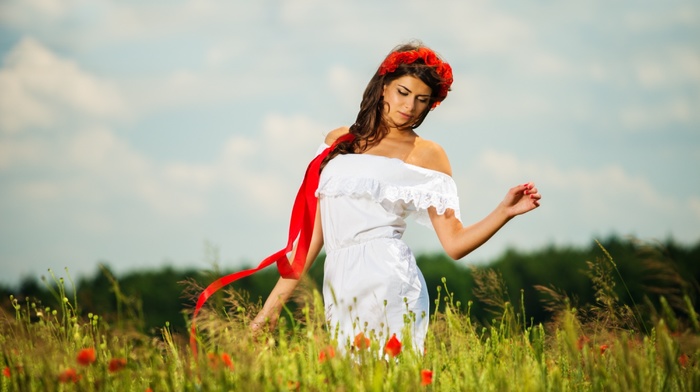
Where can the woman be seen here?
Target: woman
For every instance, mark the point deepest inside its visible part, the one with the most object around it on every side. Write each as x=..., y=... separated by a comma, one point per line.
x=377, y=173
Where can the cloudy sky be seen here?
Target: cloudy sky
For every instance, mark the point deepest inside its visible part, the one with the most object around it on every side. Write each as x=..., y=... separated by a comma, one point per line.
x=135, y=132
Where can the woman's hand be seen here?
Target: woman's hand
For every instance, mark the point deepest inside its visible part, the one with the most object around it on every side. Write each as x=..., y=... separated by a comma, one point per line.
x=521, y=199
x=261, y=322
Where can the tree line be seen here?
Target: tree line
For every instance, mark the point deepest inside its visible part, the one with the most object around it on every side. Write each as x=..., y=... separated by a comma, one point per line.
x=642, y=275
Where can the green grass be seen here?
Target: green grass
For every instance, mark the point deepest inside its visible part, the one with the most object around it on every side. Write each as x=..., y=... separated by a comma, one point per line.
x=603, y=347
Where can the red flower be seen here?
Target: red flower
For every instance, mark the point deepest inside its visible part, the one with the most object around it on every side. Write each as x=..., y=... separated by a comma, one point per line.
x=6, y=372
x=117, y=364
x=326, y=353
x=361, y=341
x=683, y=360
x=603, y=348
x=69, y=375
x=393, y=346
x=443, y=69
x=213, y=360
x=582, y=341
x=426, y=377
x=149, y=389
x=227, y=361
x=86, y=356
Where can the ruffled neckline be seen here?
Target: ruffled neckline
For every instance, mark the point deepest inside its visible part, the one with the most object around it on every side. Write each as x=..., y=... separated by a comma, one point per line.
x=353, y=176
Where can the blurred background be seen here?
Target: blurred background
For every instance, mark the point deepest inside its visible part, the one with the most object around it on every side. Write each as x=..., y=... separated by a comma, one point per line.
x=139, y=133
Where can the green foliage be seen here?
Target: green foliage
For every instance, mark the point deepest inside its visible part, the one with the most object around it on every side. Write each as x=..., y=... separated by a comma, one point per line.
x=149, y=298
x=58, y=349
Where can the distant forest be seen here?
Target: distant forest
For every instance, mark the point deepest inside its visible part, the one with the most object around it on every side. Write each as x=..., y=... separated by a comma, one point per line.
x=642, y=275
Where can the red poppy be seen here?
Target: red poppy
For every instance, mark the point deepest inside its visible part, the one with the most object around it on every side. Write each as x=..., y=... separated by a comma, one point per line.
x=69, y=375
x=393, y=346
x=227, y=361
x=149, y=389
x=6, y=372
x=392, y=62
x=582, y=341
x=117, y=364
x=326, y=353
x=426, y=377
x=683, y=360
x=361, y=341
x=213, y=360
x=603, y=348
x=86, y=356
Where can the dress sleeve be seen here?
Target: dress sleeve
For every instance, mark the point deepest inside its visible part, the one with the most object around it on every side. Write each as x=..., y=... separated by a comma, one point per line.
x=440, y=192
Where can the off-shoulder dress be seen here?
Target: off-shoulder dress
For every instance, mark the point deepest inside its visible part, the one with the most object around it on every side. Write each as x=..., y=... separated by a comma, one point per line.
x=371, y=281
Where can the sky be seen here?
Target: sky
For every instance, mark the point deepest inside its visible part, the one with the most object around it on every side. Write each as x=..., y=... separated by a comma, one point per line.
x=142, y=134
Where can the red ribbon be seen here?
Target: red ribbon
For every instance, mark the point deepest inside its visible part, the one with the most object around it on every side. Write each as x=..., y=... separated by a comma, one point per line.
x=301, y=226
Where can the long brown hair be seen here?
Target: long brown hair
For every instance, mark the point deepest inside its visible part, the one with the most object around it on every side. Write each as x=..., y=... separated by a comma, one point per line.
x=369, y=127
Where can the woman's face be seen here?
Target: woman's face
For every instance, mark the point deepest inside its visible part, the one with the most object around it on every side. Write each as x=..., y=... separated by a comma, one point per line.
x=406, y=99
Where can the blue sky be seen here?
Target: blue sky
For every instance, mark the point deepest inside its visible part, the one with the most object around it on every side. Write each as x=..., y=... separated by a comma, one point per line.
x=135, y=132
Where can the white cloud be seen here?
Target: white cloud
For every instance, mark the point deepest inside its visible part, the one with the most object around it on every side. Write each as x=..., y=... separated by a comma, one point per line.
x=479, y=27
x=37, y=88
x=659, y=116
x=269, y=167
x=668, y=67
x=607, y=198
x=694, y=204
x=640, y=20
x=347, y=85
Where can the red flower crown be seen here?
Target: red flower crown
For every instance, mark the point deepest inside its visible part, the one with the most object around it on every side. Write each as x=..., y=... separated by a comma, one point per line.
x=443, y=69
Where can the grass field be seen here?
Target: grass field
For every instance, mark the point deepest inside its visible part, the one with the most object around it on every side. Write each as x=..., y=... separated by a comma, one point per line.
x=606, y=346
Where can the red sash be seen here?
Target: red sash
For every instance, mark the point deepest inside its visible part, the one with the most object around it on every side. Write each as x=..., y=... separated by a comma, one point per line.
x=301, y=226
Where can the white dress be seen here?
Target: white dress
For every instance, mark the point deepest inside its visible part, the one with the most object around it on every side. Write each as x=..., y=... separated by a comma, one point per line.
x=371, y=281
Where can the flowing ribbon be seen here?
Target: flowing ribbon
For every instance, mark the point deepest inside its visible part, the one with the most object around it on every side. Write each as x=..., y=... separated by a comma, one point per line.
x=301, y=226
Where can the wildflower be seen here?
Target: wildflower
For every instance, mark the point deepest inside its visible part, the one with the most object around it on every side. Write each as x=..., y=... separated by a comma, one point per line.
x=213, y=360
x=117, y=364
x=603, y=348
x=69, y=375
x=683, y=360
x=328, y=352
x=361, y=341
x=6, y=372
x=426, y=377
x=226, y=359
x=393, y=346
x=582, y=341
x=149, y=389
x=86, y=356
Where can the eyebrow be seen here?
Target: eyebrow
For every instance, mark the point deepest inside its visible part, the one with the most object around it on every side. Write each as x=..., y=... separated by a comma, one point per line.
x=409, y=90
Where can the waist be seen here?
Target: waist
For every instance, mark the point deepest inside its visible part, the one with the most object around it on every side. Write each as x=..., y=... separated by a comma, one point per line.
x=356, y=242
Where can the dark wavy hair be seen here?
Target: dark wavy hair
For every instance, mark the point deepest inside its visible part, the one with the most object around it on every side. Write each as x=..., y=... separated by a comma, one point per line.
x=369, y=127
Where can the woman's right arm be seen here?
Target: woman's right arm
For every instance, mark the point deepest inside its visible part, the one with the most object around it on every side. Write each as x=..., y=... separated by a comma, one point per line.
x=269, y=314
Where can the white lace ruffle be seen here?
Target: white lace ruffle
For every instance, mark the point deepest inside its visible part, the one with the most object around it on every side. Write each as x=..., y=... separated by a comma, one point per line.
x=439, y=192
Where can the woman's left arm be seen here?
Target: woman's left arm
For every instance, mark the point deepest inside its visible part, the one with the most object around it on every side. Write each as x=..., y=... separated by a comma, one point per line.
x=459, y=240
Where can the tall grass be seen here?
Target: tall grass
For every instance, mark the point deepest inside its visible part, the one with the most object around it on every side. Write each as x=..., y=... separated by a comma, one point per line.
x=606, y=346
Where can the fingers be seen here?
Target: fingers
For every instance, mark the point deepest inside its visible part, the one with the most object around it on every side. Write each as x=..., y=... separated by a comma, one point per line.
x=531, y=191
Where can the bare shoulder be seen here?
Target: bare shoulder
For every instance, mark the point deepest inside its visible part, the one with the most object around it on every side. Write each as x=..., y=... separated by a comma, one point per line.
x=430, y=155
x=335, y=134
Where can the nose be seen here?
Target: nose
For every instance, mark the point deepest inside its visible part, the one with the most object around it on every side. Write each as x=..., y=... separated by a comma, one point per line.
x=408, y=105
